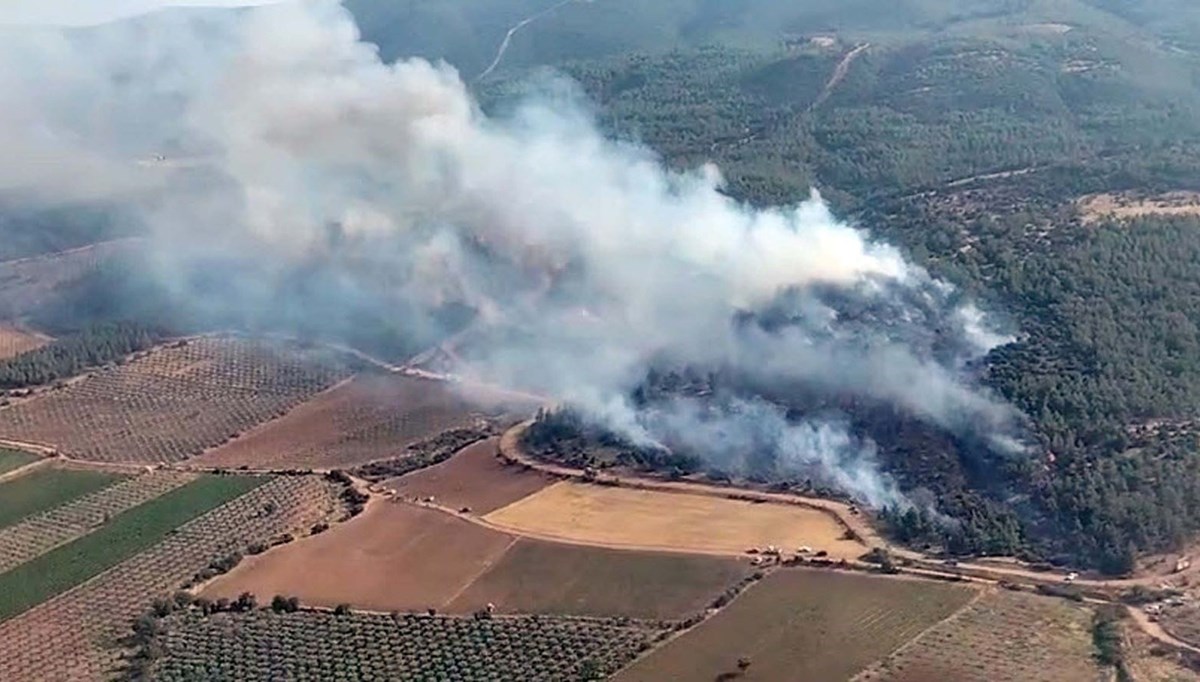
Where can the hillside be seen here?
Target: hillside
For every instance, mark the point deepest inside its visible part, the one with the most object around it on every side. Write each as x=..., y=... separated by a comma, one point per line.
x=967, y=138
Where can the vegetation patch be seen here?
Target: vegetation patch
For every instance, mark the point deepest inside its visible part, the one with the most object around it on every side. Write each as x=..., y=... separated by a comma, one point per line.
x=124, y=536
x=46, y=489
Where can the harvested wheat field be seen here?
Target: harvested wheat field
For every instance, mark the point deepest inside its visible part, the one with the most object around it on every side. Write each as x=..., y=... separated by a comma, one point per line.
x=1003, y=636
x=647, y=519
x=368, y=418
x=173, y=402
x=474, y=479
x=15, y=341
x=393, y=556
x=554, y=578
x=799, y=624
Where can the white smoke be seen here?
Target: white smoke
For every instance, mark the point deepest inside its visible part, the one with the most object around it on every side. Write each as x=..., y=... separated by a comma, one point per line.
x=587, y=260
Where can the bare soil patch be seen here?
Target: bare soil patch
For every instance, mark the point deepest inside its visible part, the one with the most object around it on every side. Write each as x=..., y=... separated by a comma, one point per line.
x=393, y=556
x=15, y=341
x=1097, y=207
x=649, y=519
x=552, y=578
x=474, y=479
x=368, y=418
x=804, y=625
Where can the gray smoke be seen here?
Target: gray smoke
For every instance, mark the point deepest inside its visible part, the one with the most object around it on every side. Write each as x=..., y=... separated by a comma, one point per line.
x=285, y=142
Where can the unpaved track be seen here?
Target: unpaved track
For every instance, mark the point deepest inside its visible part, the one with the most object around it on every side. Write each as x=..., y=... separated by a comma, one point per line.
x=513, y=31
x=839, y=73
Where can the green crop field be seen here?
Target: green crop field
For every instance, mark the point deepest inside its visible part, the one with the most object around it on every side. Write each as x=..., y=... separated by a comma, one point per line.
x=14, y=459
x=47, y=489
x=124, y=536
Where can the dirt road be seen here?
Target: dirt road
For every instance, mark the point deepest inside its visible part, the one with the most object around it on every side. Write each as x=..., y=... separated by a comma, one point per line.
x=839, y=73
x=513, y=31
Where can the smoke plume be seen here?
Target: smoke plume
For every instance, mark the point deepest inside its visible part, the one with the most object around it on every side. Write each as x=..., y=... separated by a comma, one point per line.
x=260, y=143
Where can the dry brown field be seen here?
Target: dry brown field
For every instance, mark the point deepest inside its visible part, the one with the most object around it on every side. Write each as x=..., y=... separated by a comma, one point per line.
x=1004, y=636
x=1182, y=622
x=474, y=479
x=369, y=418
x=73, y=635
x=553, y=578
x=1097, y=207
x=801, y=624
x=173, y=402
x=15, y=341
x=648, y=519
x=393, y=556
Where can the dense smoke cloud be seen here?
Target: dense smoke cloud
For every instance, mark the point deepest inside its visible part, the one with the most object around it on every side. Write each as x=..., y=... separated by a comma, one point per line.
x=288, y=145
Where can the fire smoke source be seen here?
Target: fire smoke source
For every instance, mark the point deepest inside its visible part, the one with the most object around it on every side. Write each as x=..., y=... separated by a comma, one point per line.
x=272, y=137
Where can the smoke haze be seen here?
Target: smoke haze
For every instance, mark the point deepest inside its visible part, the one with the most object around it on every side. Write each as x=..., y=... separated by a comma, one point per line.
x=288, y=146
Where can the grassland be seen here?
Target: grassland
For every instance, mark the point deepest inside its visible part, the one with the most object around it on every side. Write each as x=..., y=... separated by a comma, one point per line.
x=804, y=625
x=1004, y=636
x=46, y=489
x=124, y=536
x=645, y=519
x=551, y=578
x=14, y=459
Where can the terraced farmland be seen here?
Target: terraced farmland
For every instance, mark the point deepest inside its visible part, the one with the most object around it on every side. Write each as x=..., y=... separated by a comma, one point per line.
x=1002, y=637
x=302, y=646
x=71, y=636
x=174, y=402
x=45, y=531
x=804, y=625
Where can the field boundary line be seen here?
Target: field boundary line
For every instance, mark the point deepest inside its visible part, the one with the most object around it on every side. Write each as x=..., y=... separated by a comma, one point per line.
x=484, y=570
x=23, y=470
x=980, y=592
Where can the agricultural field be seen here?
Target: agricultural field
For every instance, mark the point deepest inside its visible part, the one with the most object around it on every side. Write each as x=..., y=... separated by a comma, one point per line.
x=369, y=418
x=314, y=645
x=126, y=534
x=174, y=402
x=647, y=519
x=70, y=636
x=798, y=624
x=47, y=488
x=1004, y=636
x=28, y=283
x=393, y=556
x=15, y=341
x=11, y=460
x=474, y=479
x=553, y=578
x=42, y=532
